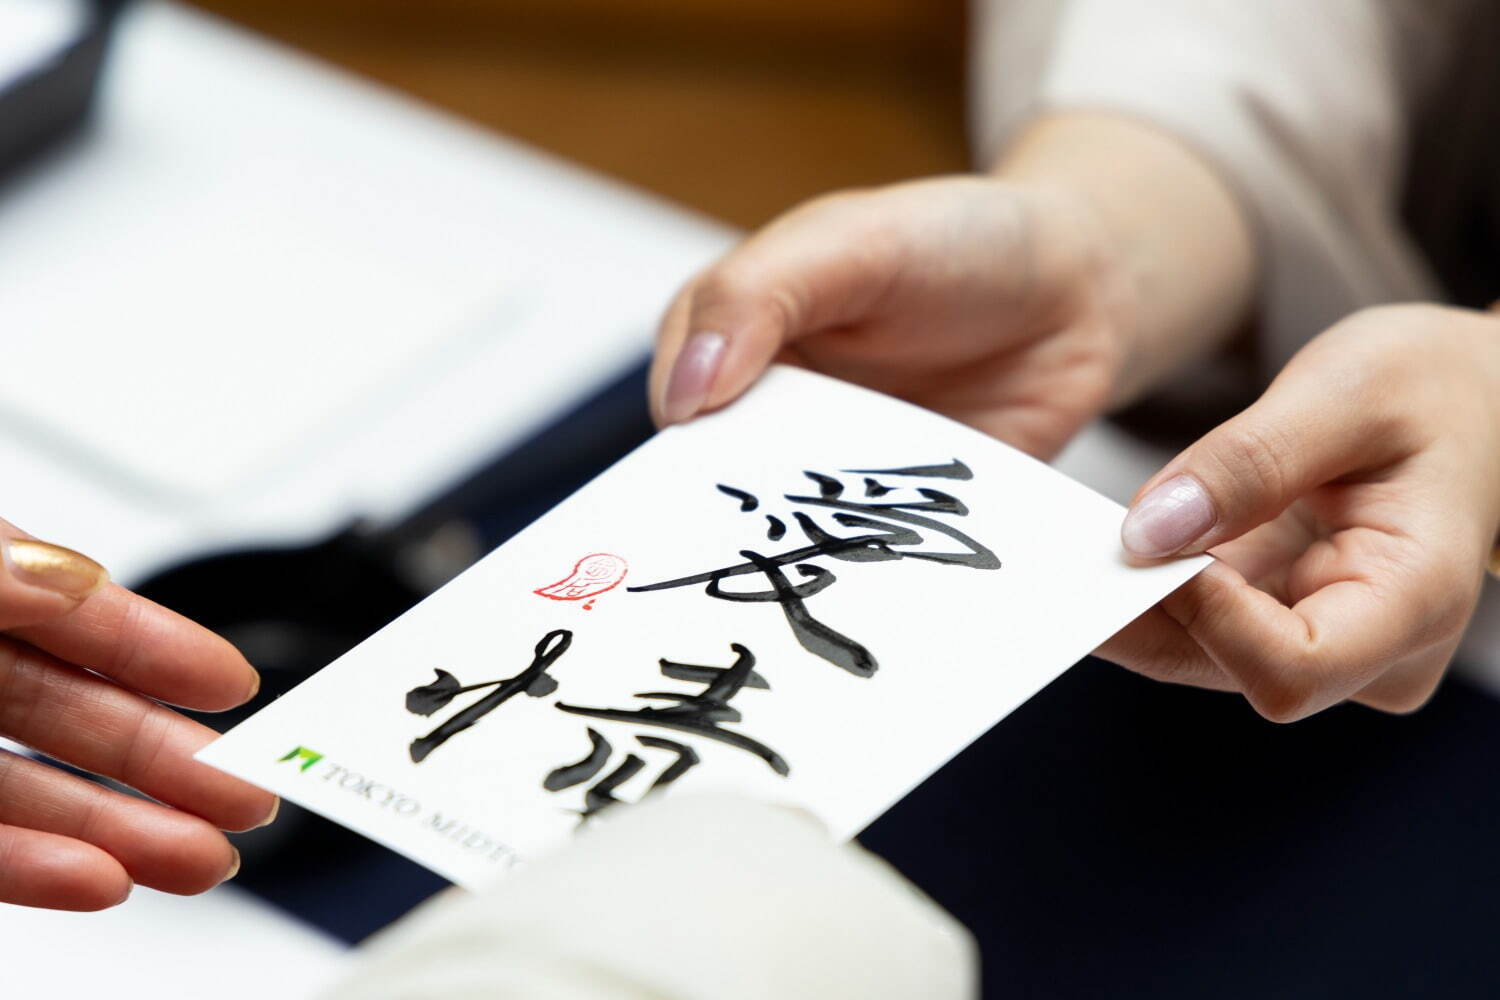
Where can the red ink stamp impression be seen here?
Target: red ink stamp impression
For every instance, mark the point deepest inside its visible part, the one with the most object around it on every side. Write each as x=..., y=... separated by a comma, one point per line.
x=592, y=575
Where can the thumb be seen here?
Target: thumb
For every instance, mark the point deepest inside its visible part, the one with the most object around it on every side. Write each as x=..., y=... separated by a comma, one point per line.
x=40, y=582
x=819, y=267
x=1250, y=469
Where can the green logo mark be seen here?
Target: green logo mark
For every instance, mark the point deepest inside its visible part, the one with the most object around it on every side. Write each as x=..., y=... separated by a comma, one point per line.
x=308, y=757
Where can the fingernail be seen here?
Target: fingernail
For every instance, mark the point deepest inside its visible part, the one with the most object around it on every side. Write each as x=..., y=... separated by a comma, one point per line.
x=234, y=866
x=271, y=816
x=54, y=568
x=254, y=685
x=1171, y=516
x=692, y=376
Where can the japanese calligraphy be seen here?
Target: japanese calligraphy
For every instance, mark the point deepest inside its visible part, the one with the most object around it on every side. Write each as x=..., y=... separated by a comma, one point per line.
x=534, y=680
x=889, y=530
x=698, y=714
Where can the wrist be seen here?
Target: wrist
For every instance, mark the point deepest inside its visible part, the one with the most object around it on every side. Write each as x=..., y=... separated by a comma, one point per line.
x=1178, y=242
x=1072, y=241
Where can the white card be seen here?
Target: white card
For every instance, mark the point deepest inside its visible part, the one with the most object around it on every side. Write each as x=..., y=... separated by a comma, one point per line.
x=792, y=665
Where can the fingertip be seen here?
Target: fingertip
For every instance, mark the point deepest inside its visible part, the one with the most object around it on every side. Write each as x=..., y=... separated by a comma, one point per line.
x=1168, y=519
x=692, y=376
x=254, y=809
x=226, y=679
x=194, y=863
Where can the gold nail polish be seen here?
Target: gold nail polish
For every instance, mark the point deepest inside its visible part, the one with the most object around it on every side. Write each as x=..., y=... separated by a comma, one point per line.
x=54, y=568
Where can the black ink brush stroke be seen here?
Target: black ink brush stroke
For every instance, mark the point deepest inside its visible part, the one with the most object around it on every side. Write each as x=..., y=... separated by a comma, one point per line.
x=977, y=557
x=953, y=470
x=698, y=714
x=533, y=680
x=576, y=774
x=706, y=675
x=827, y=485
x=748, y=501
x=687, y=759
x=602, y=795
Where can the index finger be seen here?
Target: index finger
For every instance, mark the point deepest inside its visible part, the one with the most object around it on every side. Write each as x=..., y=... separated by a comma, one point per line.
x=148, y=648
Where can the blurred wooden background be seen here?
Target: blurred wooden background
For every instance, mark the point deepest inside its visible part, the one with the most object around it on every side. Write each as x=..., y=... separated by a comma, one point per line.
x=738, y=109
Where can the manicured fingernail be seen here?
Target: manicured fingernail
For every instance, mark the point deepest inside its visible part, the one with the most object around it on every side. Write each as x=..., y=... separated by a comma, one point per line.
x=1170, y=517
x=271, y=816
x=692, y=376
x=254, y=685
x=234, y=866
x=54, y=568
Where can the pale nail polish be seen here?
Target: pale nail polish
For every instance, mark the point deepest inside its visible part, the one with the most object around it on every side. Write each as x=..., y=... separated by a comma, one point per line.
x=692, y=376
x=271, y=817
x=53, y=568
x=1170, y=517
x=234, y=866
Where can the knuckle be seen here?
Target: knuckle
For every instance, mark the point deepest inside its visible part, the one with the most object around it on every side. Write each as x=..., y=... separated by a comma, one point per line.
x=142, y=750
x=1281, y=697
x=136, y=633
x=24, y=685
x=724, y=283
x=1254, y=457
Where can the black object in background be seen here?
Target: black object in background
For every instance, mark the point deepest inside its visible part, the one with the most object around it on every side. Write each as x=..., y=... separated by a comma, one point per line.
x=43, y=106
x=1120, y=838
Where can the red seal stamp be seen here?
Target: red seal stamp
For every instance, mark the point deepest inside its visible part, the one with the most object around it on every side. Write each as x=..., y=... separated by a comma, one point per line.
x=592, y=575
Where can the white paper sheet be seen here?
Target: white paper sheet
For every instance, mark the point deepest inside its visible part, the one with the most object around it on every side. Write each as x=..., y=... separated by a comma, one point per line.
x=902, y=658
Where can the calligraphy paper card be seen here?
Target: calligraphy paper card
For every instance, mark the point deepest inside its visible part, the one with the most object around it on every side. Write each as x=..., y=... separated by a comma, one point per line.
x=817, y=596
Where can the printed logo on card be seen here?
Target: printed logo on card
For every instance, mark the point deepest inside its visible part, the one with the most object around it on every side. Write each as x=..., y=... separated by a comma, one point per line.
x=306, y=756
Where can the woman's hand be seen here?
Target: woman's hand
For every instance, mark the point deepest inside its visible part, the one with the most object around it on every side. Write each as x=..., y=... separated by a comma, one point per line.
x=1352, y=509
x=986, y=301
x=83, y=665
x=1021, y=303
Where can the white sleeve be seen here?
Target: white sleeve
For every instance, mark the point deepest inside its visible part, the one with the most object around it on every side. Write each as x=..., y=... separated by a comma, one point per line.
x=1303, y=107
x=692, y=898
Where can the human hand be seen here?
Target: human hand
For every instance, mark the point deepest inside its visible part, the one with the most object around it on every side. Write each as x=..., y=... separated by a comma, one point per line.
x=83, y=664
x=991, y=302
x=1352, y=509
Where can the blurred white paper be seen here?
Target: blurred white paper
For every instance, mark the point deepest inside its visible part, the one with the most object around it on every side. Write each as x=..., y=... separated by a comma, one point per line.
x=975, y=575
